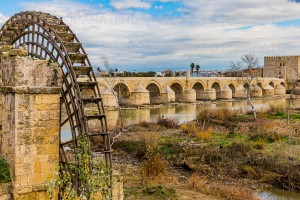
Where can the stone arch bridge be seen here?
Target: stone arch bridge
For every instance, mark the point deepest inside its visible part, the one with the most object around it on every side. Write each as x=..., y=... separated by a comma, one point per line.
x=157, y=90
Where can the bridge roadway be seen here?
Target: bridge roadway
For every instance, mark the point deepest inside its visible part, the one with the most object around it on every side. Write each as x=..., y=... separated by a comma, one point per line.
x=157, y=90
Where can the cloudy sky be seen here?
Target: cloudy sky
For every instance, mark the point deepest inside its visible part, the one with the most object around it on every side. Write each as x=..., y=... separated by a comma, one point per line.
x=170, y=34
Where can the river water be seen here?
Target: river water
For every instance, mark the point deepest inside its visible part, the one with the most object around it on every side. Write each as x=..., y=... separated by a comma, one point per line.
x=187, y=112
x=277, y=194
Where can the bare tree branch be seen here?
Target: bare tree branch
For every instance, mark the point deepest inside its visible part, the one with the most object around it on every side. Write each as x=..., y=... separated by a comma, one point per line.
x=250, y=60
x=110, y=82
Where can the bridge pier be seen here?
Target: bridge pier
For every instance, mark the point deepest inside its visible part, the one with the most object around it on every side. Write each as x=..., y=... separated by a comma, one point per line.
x=268, y=91
x=226, y=93
x=240, y=92
x=167, y=95
x=256, y=91
x=210, y=95
x=189, y=96
x=140, y=96
x=279, y=90
x=109, y=98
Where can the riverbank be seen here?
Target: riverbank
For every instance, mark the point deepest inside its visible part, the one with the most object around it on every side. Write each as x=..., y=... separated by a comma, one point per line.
x=219, y=155
x=176, y=104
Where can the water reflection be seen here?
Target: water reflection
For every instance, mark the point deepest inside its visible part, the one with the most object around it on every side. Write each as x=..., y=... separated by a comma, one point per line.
x=188, y=112
x=277, y=194
x=183, y=113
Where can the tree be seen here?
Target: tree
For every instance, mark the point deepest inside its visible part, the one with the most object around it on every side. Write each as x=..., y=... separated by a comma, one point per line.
x=235, y=67
x=197, y=69
x=250, y=61
x=192, y=68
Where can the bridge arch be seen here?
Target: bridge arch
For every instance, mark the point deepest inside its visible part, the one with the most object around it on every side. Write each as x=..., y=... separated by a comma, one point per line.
x=272, y=84
x=154, y=92
x=283, y=84
x=217, y=87
x=199, y=88
x=233, y=89
x=123, y=93
x=260, y=85
x=178, y=89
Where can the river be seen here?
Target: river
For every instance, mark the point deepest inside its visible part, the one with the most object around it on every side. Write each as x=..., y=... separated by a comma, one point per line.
x=278, y=194
x=183, y=112
x=187, y=112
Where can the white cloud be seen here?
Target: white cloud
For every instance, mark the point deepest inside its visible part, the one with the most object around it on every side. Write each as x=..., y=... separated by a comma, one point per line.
x=158, y=7
x=209, y=34
x=2, y=19
x=125, y=4
x=242, y=11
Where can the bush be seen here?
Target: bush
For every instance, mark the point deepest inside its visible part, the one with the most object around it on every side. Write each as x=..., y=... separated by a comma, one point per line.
x=4, y=172
x=137, y=148
x=224, y=113
x=204, y=135
x=153, y=164
x=168, y=123
x=204, y=114
x=195, y=182
x=278, y=108
x=189, y=128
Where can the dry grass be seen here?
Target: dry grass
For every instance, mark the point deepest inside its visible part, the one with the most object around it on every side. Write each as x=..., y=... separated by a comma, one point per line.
x=153, y=166
x=168, y=123
x=275, y=108
x=223, y=113
x=190, y=128
x=198, y=183
x=166, y=180
x=205, y=135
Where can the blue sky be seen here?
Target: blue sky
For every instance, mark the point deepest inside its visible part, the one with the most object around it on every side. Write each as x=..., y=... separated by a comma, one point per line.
x=170, y=34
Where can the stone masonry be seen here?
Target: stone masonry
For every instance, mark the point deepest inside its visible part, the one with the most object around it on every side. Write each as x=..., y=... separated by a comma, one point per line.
x=285, y=67
x=30, y=130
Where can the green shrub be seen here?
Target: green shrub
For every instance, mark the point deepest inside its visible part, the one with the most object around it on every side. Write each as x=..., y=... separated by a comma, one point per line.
x=4, y=172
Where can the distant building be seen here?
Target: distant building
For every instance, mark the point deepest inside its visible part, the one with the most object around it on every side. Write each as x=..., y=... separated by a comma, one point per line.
x=159, y=74
x=286, y=67
x=102, y=73
x=256, y=72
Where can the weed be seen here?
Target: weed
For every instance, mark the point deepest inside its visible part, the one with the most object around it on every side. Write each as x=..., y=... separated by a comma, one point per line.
x=161, y=192
x=168, y=123
x=4, y=171
x=153, y=164
x=196, y=182
x=204, y=114
x=190, y=128
x=137, y=148
x=224, y=114
x=205, y=135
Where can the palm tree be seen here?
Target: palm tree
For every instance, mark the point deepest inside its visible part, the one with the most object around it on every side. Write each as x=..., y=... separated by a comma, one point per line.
x=192, y=68
x=197, y=69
